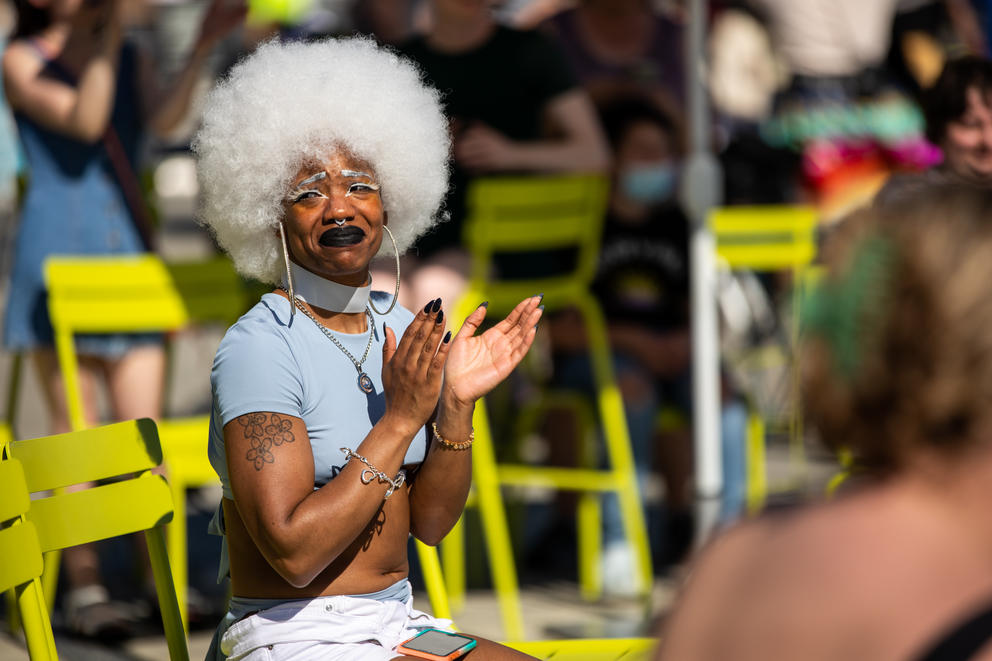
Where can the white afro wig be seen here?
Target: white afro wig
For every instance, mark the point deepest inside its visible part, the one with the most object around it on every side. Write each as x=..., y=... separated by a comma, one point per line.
x=290, y=103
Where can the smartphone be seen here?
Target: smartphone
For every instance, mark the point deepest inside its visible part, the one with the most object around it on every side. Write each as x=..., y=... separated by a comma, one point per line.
x=437, y=645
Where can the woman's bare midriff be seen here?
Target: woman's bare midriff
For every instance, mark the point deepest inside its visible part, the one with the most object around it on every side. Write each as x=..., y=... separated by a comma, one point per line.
x=374, y=561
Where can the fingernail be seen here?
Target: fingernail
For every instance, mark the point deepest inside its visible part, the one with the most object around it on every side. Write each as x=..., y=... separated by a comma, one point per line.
x=447, y=337
x=440, y=317
x=541, y=306
x=384, y=327
x=436, y=306
x=484, y=304
x=427, y=308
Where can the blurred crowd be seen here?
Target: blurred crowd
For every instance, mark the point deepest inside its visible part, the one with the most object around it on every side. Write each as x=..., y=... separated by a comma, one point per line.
x=819, y=102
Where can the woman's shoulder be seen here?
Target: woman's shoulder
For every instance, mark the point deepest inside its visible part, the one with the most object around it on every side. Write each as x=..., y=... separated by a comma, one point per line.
x=398, y=318
x=267, y=320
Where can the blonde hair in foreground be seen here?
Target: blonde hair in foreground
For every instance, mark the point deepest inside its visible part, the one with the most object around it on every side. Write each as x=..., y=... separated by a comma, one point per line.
x=898, y=348
x=287, y=104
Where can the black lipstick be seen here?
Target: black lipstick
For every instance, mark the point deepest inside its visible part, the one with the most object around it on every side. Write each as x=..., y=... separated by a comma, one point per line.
x=340, y=237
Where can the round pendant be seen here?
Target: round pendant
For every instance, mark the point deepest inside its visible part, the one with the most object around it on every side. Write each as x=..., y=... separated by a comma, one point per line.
x=364, y=382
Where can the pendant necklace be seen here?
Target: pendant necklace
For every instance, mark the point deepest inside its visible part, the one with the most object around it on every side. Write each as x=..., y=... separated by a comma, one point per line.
x=364, y=381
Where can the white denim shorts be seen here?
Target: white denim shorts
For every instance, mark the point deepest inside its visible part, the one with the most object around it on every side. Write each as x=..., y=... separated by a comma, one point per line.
x=327, y=628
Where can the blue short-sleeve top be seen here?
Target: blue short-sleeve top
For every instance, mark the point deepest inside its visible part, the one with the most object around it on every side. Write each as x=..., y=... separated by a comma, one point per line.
x=268, y=363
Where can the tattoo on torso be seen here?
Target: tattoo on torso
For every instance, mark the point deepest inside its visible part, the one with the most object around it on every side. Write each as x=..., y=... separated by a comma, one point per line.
x=265, y=431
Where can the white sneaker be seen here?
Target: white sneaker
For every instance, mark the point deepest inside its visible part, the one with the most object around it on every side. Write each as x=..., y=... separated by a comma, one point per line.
x=619, y=571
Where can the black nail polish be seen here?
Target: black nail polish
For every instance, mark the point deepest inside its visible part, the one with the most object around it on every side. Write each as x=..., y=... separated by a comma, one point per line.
x=484, y=304
x=540, y=307
x=440, y=317
x=541, y=295
x=427, y=308
x=447, y=337
x=436, y=306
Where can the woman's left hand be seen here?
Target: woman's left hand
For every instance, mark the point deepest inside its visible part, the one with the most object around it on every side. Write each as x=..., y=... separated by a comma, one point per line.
x=222, y=16
x=477, y=363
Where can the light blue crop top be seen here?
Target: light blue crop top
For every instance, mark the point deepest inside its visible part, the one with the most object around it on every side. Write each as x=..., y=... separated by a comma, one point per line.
x=264, y=363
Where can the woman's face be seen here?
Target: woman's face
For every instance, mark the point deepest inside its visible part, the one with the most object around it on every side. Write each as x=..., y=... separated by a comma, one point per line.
x=968, y=139
x=334, y=217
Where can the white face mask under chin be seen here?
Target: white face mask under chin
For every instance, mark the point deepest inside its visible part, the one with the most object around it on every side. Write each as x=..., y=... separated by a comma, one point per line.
x=327, y=294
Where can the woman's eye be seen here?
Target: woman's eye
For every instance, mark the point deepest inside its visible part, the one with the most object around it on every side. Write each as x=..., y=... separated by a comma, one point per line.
x=363, y=188
x=306, y=195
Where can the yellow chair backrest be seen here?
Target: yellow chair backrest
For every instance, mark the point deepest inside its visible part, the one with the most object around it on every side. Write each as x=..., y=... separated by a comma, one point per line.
x=21, y=561
x=765, y=238
x=131, y=294
x=530, y=214
x=136, y=500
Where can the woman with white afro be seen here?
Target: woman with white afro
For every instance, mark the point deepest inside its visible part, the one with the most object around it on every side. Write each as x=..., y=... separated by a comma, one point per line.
x=339, y=431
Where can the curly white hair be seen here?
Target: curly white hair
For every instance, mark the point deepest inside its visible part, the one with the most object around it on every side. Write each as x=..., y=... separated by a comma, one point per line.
x=290, y=103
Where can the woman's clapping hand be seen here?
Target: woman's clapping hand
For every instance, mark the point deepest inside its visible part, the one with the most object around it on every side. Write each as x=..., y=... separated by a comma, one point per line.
x=477, y=363
x=412, y=372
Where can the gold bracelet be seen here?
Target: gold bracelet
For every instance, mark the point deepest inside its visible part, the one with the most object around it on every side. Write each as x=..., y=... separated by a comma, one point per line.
x=464, y=445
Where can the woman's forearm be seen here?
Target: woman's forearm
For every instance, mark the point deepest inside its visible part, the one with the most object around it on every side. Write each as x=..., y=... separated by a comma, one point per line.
x=168, y=106
x=438, y=495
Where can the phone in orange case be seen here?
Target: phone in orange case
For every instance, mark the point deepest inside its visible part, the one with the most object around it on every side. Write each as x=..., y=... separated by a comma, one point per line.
x=437, y=645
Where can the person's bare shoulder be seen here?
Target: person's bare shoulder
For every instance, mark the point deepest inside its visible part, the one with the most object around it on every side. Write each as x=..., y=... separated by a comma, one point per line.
x=760, y=582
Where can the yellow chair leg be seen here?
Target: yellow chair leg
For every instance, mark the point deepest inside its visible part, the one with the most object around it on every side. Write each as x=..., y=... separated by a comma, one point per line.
x=493, y=515
x=590, y=543
x=757, y=476
x=30, y=604
x=430, y=567
x=50, y=578
x=175, y=630
x=453, y=556
x=621, y=458
x=177, y=546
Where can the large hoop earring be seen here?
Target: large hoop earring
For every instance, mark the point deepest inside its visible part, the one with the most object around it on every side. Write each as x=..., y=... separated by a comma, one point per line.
x=289, y=274
x=396, y=292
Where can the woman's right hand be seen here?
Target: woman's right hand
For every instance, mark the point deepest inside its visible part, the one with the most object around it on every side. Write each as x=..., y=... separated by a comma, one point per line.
x=412, y=372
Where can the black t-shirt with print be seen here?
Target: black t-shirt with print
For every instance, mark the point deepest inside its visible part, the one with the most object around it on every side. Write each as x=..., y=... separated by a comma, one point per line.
x=643, y=272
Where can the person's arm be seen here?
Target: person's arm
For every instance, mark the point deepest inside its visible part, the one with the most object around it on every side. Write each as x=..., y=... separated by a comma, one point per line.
x=476, y=364
x=299, y=530
x=581, y=146
x=167, y=107
x=81, y=112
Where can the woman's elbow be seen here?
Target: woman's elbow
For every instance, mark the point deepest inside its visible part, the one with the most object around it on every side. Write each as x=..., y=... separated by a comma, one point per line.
x=298, y=572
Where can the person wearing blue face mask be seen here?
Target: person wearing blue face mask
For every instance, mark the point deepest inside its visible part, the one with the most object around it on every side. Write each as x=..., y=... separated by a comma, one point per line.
x=642, y=284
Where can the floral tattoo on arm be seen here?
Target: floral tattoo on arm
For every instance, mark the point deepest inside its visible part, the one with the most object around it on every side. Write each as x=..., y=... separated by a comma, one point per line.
x=265, y=431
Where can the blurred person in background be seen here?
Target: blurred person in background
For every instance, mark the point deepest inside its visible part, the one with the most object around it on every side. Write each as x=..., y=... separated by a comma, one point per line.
x=82, y=97
x=514, y=107
x=11, y=161
x=958, y=110
x=897, y=369
x=642, y=284
x=618, y=47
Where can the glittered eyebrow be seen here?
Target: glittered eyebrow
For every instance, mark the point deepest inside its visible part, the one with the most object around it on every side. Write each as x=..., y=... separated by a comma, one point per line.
x=356, y=173
x=312, y=178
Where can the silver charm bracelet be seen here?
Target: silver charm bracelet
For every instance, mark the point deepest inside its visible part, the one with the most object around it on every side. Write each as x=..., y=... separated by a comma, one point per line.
x=371, y=473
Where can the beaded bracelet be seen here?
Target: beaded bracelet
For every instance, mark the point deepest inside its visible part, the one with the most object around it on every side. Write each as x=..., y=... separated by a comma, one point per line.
x=463, y=445
x=372, y=473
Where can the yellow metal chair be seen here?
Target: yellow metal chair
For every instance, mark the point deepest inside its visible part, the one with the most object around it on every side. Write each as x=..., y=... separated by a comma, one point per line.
x=526, y=215
x=137, y=499
x=598, y=649
x=768, y=238
x=21, y=561
x=144, y=294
